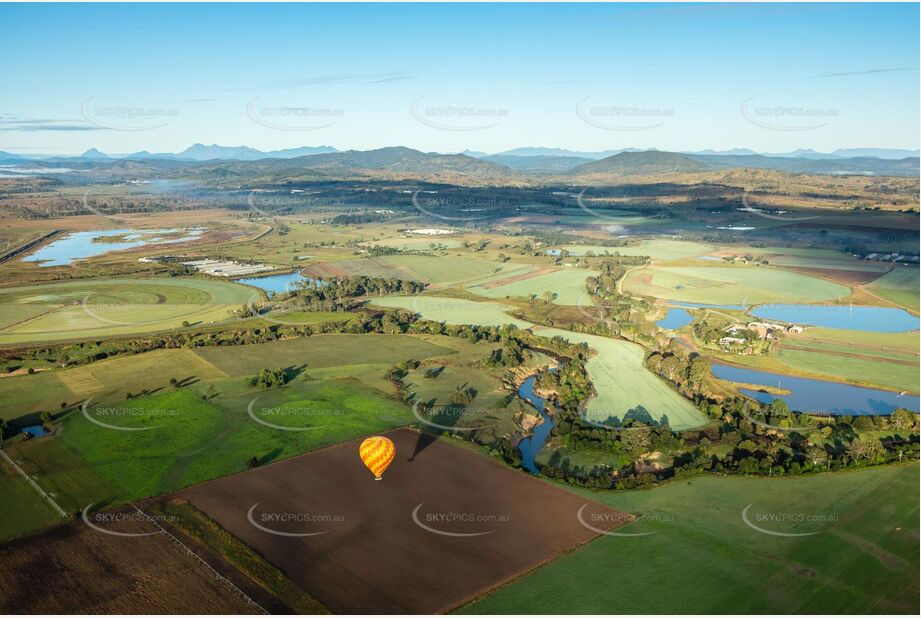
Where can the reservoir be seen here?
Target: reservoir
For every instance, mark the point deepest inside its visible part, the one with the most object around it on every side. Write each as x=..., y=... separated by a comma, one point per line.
x=80, y=245
x=808, y=395
x=874, y=319
x=675, y=319
x=276, y=284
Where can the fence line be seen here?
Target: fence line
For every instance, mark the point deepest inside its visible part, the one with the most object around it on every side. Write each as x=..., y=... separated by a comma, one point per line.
x=34, y=485
x=214, y=571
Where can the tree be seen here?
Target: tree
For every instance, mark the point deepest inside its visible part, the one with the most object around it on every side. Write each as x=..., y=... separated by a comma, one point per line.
x=817, y=455
x=269, y=378
x=902, y=419
x=868, y=450
x=636, y=440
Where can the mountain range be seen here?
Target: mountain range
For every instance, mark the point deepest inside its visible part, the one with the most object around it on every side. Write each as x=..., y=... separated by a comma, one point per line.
x=400, y=162
x=203, y=152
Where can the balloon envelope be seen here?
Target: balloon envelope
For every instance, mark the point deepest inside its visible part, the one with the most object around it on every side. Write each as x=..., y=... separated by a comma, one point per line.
x=377, y=452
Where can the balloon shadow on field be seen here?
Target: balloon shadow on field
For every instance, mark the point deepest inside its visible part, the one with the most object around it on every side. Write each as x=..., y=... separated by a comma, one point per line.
x=444, y=418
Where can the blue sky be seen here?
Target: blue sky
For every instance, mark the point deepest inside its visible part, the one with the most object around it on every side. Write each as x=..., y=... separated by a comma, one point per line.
x=452, y=77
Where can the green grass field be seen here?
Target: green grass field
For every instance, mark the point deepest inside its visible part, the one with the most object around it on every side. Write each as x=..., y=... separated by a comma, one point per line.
x=625, y=387
x=899, y=286
x=108, y=307
x=702, y=558
x=21, y=510
x=895, y=376
x=621, y=382
x=657, y=249
x=418, y=244
x=439, y=271
x=447, y=271
x=26, y=394
x=808, y=257
x=719, y=285
x=568, y=286
x=886, y=360
x=104, y=380
x=453, y=310
x=187, y=440
x=319, y=351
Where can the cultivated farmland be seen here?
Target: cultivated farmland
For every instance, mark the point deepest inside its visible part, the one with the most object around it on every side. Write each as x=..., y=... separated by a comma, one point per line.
x=384, y=534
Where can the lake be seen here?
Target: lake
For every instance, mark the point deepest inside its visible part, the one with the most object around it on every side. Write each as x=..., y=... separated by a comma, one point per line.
x=875, y=319
x=703, y=306
x=530, y=446
x=81, y=245
x=675, y=319
x=276, y=284
x=808, y=395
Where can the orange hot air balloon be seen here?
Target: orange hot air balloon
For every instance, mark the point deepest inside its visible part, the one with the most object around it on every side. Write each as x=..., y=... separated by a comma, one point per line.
x=377, y=452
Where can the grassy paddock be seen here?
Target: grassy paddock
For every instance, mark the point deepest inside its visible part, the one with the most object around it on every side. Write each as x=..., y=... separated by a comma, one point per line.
x=567, y=285
x=899, y=286
x=319, y=351
x=100, y=308
x=730, y=285
x=702, y=557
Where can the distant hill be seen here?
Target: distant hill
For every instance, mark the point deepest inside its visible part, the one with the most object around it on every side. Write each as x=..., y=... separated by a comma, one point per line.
x=392, y=162
x=562, y=152
x=880, y=153
x=647, y=162
x=201, y=152
x=537, y=164
x=92, y=153
x=804, y=165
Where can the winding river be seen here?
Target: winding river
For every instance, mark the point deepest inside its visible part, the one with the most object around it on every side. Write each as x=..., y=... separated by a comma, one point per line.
x=530, y=446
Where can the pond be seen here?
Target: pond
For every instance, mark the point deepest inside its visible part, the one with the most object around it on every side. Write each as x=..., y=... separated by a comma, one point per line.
x=36, y=431
x=675, y=319
x=276, y=284
x=530, y=446
x=874, y=319
x=808, y=395
x=81, y=245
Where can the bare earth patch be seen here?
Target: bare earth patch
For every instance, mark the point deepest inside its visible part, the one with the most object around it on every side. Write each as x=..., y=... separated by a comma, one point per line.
x=444, y=526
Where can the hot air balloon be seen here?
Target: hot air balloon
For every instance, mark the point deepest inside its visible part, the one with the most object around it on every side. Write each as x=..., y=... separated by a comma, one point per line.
x=377, y=452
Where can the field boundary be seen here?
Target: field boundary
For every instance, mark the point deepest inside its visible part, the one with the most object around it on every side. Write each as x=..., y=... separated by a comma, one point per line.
x=182, y=545
x=34, y=485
